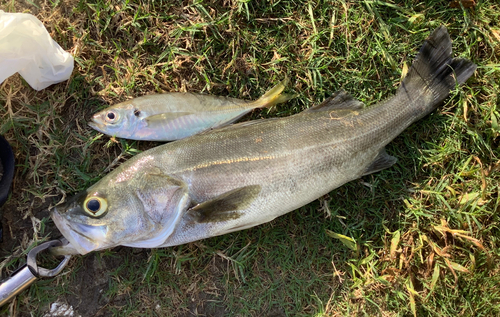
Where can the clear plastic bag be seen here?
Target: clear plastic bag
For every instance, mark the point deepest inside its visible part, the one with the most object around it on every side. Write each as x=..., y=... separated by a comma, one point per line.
x=26, y=47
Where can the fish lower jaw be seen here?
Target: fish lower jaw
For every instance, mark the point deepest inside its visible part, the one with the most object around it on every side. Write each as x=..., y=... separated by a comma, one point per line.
x=67, y=249
x=96, y=126
x=78, y=242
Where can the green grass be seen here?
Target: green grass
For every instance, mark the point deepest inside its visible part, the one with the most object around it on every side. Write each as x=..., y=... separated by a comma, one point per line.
x=423, y=235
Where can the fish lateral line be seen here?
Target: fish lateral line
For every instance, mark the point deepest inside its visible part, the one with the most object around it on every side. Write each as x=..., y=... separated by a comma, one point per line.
x=232, y=161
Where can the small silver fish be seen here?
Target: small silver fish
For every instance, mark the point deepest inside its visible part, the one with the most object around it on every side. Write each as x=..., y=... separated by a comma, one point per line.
x=243, y=175
x=174, y=116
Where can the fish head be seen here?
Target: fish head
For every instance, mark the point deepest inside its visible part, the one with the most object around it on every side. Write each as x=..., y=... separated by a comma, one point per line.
x=121, y=120
x=90, y=221
x=129, y=208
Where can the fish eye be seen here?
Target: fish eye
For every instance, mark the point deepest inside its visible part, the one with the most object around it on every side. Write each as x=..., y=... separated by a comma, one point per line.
x=95, y=206
x=111, y=117
x=137, y=112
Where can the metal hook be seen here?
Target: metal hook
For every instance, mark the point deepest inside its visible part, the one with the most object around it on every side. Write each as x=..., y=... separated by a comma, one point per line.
x=40, y=271
x=28, y=273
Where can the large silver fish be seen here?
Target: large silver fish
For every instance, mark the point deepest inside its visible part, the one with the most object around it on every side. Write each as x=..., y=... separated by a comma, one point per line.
x=243, y=175
x=174, y=116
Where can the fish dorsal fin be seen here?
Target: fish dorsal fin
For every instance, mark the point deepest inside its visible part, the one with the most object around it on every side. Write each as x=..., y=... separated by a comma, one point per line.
x=339, y=100
x=382, y=161
x=226, y=206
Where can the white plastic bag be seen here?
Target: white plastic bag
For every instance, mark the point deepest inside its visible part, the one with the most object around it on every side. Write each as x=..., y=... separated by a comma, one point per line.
x=26, y=47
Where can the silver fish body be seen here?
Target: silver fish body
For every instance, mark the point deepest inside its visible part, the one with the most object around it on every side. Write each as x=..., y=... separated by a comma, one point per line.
x=174, y=116
x=247, y=174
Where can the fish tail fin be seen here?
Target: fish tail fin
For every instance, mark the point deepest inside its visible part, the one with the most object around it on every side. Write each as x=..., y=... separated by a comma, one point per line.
x=434, y=73
x=273, y=96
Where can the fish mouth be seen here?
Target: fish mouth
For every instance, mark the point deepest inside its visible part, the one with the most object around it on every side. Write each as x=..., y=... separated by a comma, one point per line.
x=96, y=126
x=79, y=235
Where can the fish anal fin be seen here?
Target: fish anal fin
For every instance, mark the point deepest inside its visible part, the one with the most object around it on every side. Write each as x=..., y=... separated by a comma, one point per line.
x=226, y=206
x=339, y=100
x=382, y=161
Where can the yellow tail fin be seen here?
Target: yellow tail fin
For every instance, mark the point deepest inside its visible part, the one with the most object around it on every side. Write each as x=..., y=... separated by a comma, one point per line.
x=273, y=96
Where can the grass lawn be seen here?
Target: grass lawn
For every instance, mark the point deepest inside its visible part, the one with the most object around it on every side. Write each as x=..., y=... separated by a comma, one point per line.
x=419, y=239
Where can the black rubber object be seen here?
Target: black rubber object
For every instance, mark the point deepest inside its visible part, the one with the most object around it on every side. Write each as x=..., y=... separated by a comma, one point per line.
x=8, y=162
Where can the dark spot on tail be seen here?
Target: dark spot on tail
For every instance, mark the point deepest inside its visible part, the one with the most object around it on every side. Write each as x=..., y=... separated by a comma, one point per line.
x=434, y=73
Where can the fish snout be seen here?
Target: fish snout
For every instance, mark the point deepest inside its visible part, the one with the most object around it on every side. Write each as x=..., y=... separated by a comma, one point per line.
x=83, y=238
x=96, y=125
x=57, y=210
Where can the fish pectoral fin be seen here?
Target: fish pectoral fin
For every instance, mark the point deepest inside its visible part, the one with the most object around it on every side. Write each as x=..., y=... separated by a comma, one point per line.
x=339, y=100
x=225, y=206
x=382, y=161
x=166, y=117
